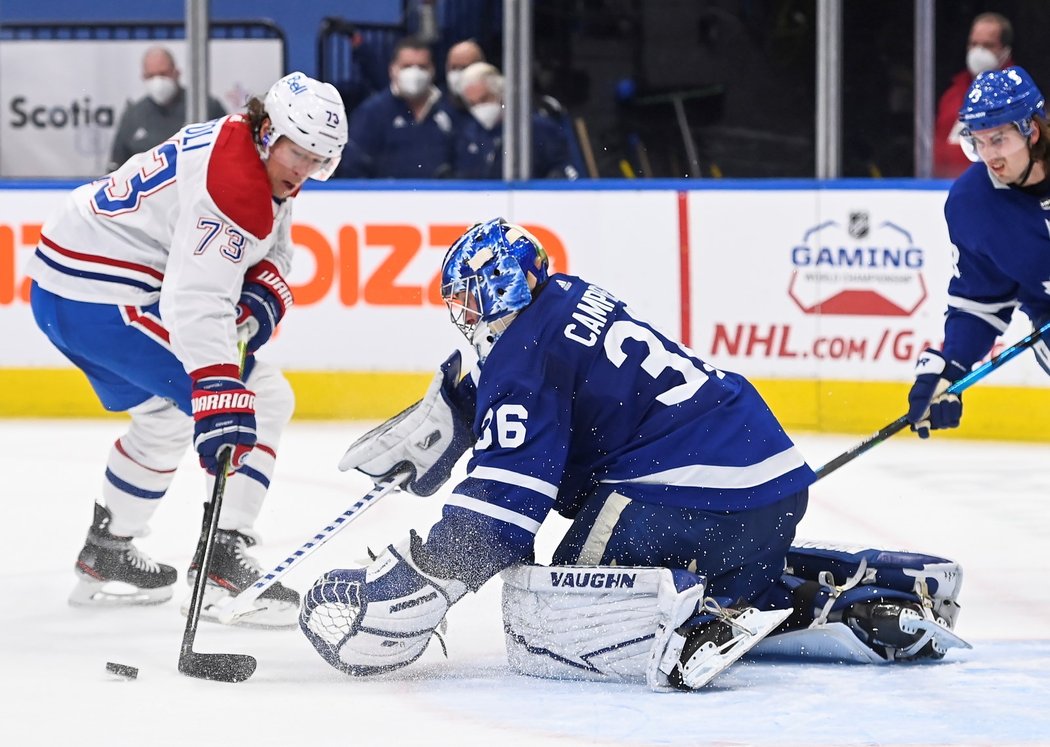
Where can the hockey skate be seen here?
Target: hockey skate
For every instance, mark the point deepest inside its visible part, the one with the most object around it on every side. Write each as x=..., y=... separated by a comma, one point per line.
x=901, y=630
x=232, y=571
x=112, y=572
x=711, y=647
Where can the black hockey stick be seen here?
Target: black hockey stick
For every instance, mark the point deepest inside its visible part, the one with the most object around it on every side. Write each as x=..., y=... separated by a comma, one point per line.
x=221, y=667
x=956, y=387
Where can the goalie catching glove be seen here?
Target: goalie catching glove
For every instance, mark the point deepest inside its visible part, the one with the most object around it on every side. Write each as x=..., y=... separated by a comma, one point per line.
x=424, y=441
x=930, y=406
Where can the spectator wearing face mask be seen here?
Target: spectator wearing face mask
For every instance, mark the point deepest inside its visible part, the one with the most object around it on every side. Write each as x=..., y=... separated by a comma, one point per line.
x=479, y=144
x=461, y=55
x=989, y=48
x=405, y=131
x=159, y=114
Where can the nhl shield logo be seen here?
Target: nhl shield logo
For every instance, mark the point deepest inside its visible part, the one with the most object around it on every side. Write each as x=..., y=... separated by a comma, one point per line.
x=858, y=225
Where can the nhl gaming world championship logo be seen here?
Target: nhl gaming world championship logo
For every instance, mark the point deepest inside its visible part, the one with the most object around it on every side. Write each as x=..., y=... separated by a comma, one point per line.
x=857, y=269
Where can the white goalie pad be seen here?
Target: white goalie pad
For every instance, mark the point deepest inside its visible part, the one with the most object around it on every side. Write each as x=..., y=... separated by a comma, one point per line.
x=592, y=622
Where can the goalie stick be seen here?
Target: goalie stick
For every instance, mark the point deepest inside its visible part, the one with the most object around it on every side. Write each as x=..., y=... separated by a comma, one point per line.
x=956, y=387
x=221, y=667
x=240, y=606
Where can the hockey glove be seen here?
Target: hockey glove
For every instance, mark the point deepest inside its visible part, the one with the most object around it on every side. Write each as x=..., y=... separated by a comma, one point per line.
x=1042, y=347
x=265, y=298
x=425, y=441
x=223, y=416
x=930, y=407
x=371, y=620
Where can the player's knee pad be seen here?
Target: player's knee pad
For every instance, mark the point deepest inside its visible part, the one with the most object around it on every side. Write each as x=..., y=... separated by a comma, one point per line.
x=274, y=402
x=606, y=623
x=868, y=605
x=371, y=620
x=158, y=435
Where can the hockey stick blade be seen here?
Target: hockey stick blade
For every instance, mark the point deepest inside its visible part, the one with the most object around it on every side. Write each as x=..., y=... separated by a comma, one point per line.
x=217, y=667
x=956, y=388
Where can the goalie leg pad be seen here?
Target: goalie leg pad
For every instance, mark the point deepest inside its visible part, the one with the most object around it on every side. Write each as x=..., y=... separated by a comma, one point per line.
x=868, y=606
x=371, y=620
x=607, y=623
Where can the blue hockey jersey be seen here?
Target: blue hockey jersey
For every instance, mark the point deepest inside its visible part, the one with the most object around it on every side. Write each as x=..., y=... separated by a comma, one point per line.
x=1002, y=260
x=579, y=393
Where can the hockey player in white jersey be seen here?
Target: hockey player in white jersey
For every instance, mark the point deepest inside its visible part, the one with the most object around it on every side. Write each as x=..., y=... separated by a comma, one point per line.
x=142, y=279
x=683, y=490
x=997, y=219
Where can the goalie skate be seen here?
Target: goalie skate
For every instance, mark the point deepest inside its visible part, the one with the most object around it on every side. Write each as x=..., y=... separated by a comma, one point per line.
x=712, y=647
x=902, y=630
x=234, y=570
x=112, y=572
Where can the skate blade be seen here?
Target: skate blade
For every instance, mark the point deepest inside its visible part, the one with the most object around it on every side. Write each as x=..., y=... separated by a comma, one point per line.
x=90, y=592
x=265, y=613
x=943, y=637
x=710, y=660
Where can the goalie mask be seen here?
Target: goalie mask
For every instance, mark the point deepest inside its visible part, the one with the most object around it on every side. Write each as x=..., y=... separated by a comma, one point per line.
x=996, y=98
x=311, y=115
x=488, y=276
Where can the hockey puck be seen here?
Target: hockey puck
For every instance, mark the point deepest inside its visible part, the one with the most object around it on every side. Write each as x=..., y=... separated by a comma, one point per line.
x=122, y=670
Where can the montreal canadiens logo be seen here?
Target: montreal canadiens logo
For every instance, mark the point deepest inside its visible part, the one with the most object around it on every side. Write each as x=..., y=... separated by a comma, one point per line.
x=858, y=268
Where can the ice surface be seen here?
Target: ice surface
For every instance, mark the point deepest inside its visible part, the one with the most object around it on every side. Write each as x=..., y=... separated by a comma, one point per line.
x=982, y=504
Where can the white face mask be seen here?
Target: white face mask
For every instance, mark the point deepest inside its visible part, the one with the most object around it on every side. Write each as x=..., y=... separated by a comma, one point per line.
x=455, y=81
x=161, y=89
x=488, y=114
x=412, y=81
x=980, y=60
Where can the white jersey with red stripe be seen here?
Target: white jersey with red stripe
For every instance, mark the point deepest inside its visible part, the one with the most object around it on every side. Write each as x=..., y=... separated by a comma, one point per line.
x=181, y=223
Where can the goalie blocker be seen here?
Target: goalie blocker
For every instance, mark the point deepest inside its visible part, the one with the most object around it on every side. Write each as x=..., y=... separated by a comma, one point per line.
x=653, y=624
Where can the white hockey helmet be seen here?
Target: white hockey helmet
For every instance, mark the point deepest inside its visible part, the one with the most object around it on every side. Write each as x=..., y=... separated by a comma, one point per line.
x=310, y=114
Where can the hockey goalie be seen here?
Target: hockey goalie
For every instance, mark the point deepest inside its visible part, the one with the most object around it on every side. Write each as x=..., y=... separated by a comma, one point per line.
x=683, y=491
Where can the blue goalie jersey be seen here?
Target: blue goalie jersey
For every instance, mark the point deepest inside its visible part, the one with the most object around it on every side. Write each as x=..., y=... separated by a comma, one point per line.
x=577, y=393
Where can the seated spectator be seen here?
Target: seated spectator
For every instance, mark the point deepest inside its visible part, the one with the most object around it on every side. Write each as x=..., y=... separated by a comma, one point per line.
x=461, y=55
x=479, y=144
x=159, y=114
x=989, y=48
x=405, y=131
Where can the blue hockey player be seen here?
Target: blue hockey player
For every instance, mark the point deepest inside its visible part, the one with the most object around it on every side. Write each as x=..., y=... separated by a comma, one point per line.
x=997, y=220
x=683, y=490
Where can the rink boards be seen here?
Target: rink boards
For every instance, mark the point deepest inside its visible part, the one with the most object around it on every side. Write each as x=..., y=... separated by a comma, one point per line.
x=821, y=293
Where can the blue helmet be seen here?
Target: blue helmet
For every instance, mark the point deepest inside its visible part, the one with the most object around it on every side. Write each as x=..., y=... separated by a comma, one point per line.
x=999, y=97
x=488, y=275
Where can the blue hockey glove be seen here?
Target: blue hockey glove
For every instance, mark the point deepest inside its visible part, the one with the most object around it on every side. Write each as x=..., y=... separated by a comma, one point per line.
x=425, y=441
x=223, y=416
x=265, y=298
x=930, y=407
